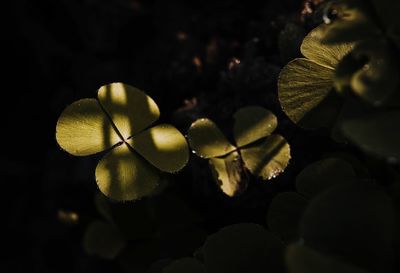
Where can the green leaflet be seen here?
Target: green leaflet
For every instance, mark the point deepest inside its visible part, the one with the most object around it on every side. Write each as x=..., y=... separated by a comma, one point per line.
x=305, y=85
x=227, y=171
x=130, y=109
x=83, y=129
x=163, y=146
x=263, y=154
x=207, y=140
x=116, y=122
x=253, y=123
x=267, y=158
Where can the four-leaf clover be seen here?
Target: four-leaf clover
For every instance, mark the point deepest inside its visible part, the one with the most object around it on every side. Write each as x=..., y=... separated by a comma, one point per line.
x=118, y=122
x=261, y=152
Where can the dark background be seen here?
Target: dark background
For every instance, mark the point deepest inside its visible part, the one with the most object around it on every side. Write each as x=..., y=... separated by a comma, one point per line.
x=195, y=58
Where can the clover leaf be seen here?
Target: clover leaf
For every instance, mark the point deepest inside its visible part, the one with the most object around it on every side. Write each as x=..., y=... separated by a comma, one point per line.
x=370, y=72
x=351, y=222
x=302, y=259
x=286, y=209
x=264, y=154
x=351, y=22
x=305, y=85
x=117, y=122
x=104, y=240
x=243, y=248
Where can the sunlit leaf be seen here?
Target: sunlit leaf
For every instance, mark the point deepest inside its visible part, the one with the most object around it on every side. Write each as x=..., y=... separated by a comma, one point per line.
x=267, y=158
x=123, y=175
x=253, y=123
x=351, y=22
x=284, y=215
x=207, y=140
x=325, y=55
x=185, y=265
x=243, y=248
x=354, y=223
x=302, y=259
x=228, y=171
x=163, y=146
x=377, y=134
x=322, y=175
x=305, y=94
x=371, y=72
x=84, y=129
x=103, y=239
x=130, y=109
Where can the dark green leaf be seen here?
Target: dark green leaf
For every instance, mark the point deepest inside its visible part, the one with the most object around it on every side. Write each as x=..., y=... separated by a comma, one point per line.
x=243, y=248
x=354, y=223
x=377, y=134
x=321, y=175
x=301, y=259
x=103, y=239
x=284, y=215
x=185, y=265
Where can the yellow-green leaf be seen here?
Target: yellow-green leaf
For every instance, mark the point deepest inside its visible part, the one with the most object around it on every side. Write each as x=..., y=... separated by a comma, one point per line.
x=267, y=158
x=305, y=93
x=253, y=123
x=103, y=239
x=163, y=146
x=123, y=175
x=84, y=129
x=323, y=54
x=302, y=259
x=227, y=172
x=130, y=109
x=207, y=140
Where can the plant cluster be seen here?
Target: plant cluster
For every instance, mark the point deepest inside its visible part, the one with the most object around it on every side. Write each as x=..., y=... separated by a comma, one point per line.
x=342, y=216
